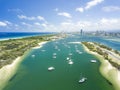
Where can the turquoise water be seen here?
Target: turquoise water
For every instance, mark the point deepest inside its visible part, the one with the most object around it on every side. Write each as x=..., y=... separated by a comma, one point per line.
x=33, y=72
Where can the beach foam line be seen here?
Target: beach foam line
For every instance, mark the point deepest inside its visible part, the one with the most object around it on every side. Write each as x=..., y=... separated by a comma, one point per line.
x=107, y=70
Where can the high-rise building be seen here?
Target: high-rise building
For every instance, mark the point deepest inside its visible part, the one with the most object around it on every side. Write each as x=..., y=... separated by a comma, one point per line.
x=81, y=32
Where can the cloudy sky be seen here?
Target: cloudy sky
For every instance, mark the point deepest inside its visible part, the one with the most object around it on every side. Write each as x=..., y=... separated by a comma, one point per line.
x=59, y=15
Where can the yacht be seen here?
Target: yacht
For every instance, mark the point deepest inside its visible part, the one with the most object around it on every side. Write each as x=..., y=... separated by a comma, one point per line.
x=93, y=61
x=51, y=68
x=58, y=49
x=83, y=79
x=67, y=58
x=54, y=56
x=80, y=52
x=70, y=62
x=70, y=53
x=33, y=55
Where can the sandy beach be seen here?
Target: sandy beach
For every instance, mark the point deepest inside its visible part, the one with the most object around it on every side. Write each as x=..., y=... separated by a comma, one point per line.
x=107, y=70
x=39, y=45
x=8, y=71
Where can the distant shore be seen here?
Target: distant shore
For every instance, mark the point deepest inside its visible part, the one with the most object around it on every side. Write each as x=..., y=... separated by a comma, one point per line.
x=6, y=72
x=107, y=70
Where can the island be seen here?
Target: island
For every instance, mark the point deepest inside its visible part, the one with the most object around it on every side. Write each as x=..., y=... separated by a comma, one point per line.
x=110, y=61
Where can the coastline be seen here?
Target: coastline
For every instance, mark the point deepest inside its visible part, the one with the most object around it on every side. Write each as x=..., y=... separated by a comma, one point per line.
x=107, y=70
x=6, y=72
x=40, y=45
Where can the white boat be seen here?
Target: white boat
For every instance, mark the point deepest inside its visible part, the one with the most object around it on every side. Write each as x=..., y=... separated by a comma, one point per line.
x=93, y=61
x=54, y=54
x=83, y=79
x=33, y=55
x=70, y=62
x=70, y=53
x=51, y=68
x=80, y=52
x=58, y=49
x=67, y=58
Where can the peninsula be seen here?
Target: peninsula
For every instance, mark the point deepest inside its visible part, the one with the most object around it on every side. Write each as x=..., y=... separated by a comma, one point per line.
x=110, y=61
x=14, y=50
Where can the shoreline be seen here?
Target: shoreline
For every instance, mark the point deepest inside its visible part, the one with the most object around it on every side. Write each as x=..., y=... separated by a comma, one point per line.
x=7, y=71
x=107, y=70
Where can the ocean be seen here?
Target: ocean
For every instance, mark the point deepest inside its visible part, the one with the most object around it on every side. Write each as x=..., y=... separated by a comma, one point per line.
x=12, y=35
x=33, y=73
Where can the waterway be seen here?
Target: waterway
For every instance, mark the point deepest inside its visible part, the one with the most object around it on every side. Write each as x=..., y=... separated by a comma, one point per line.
x=33, y=72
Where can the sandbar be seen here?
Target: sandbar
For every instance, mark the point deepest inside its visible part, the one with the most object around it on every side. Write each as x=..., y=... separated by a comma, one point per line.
x=107, y=70
x=8, y=71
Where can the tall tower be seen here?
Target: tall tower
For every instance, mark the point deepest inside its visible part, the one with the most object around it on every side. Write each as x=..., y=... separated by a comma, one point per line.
x=81, y=32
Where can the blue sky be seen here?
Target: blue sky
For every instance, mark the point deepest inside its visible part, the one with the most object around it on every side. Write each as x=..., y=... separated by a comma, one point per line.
x=59, y=15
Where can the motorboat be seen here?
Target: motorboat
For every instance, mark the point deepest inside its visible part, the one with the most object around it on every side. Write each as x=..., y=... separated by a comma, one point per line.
x=70, y=62
x=83, y=79
x=51, y=68
x=33, y=55
x=54, y=54
x=43, y=50
x=70, y=53
x=93, y=61
x=67, y=58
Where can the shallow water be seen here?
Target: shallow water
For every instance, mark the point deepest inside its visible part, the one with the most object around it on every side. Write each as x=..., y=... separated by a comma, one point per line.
x=33, y=72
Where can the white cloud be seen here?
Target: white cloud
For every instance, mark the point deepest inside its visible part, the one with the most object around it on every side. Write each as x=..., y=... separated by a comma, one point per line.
x=89, y=5
x=3, y=24
x=26, y=24
x=100, y=24
x=8, y=23
x=80, y=9
x=93, y=3
x=17, y=10
x=41, y=18
x=25, y=17
x=44, y=25
x=111, y=8
x=65, y=14
x=37, y=23
x=109, y=21
x=32, y=18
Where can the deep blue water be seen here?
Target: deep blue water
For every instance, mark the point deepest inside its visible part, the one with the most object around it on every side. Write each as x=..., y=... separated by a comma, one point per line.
x=10, y=35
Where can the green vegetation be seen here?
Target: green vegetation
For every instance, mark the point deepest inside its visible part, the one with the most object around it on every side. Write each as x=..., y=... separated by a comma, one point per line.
x=117, y=52
x=92, y=47
x=12, y=48
x=96, y=47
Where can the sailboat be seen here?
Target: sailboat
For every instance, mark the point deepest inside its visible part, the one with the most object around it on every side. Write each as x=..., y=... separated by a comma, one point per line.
x=82, y=80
